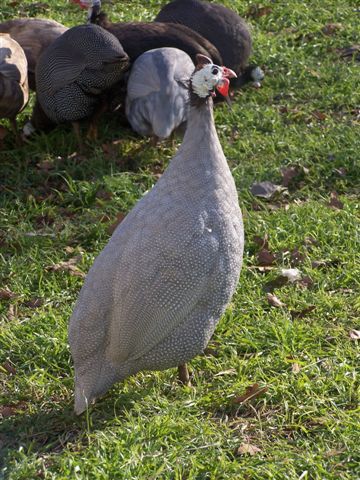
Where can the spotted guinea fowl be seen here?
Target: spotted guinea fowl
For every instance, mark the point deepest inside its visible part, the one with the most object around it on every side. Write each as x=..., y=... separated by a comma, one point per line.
x=154, y=295
x=139, y=37
x=223, y=27
x=74, y=73
x=33, y=35
x=14, y=90
x=157, y=92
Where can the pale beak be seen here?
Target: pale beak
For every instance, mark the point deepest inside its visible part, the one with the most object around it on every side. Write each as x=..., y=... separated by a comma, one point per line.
x=228, y=73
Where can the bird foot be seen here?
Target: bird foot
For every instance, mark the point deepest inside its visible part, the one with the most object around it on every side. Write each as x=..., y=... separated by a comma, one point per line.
x=184, y=376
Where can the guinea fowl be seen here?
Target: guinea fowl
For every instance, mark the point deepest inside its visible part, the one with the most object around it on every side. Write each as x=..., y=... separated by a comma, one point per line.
x=223, y=27
x=33, y=35
x=157, y=92
x=139, y=37
x=75, y=72
x=154, y=295
x=14, y=90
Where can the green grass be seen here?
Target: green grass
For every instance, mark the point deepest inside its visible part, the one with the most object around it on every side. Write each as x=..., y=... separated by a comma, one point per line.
x=53, y=208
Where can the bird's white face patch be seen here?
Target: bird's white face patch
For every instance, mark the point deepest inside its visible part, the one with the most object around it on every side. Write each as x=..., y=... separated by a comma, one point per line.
x=204, y=80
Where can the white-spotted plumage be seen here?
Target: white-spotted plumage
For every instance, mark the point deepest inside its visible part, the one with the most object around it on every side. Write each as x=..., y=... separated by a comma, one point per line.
x=154, y=295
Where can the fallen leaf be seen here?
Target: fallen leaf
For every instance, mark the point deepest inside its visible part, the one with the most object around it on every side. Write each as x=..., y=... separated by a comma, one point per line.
x=300, y=314
x=295, y=368
x=10, y=369
x=335, y=202
x=251, y=392
x=334, y=452
x=119, y=218
x=262, y=242
x=7, y=294
x=350, y=52
x=340, y=171
x=274, y=301
x=104, y=195
x=68, y=266
x=9, y=410
x=34, y=302
x=69, y=249
x=12, y=313
x=325, y=263
x=331, y=28
x=265, y=257
x=319, y=115
x=255, y=11
x=278, y=282
x=296, y=257
x=306, y=281
x=265, y=189
x=309, y=241
x=248, y=449
x=288, y=174
x=292, y=274
x=230, y=371
x=354, y=334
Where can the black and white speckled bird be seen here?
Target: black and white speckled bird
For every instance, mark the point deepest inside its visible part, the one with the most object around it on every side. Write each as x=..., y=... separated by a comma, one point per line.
x=74, y=73
x=224, y=28
x=157, y=97
x=154, y=295
x=14, y=90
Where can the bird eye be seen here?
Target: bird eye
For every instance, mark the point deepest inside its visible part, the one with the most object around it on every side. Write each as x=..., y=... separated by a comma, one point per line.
x=215, y=71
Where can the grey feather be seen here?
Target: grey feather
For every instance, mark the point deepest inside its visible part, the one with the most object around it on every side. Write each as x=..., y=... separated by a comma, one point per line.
x=155, y=293
x=157, y=94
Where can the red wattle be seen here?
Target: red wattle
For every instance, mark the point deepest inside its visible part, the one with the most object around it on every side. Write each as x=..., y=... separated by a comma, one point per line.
x=223, y=87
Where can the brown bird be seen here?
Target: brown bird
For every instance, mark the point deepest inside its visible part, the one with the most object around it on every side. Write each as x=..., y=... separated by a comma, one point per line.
x=33, y=35
x=14, y=89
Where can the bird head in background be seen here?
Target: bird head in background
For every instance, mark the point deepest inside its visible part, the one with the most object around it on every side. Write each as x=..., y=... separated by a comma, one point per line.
x=93, y=7
x=209, y=77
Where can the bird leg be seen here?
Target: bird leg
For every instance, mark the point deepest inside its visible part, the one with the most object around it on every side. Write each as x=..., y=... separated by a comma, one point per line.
x=92, y=132
x=14, y=128
x=184, y=376
x=77, y=131
x=154, y=140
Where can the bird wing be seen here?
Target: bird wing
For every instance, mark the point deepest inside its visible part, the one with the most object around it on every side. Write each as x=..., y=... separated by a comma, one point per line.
x=146, y=281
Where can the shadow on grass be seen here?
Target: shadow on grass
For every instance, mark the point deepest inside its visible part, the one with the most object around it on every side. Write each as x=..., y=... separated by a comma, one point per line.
x=53, y=431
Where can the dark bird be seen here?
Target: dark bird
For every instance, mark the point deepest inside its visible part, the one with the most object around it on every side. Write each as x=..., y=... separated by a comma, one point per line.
x=75, y=72
x=138, y=37
x=14, y=89
x=154, y=295
x=33, y=35
x=223, y=27
x=157, y=92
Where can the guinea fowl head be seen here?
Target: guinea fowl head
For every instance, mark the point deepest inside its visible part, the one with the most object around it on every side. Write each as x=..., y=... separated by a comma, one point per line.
x=93, y=8
x=207, y=78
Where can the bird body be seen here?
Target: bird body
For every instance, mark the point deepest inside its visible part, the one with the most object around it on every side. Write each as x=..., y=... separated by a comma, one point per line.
x=34, y=35
x=157, y=91
x=14, y=91
x=75, y=70
x=153, y=296
x=139, y=37
x=221, y=26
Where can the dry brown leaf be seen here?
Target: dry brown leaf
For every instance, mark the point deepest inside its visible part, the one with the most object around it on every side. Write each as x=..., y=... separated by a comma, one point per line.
x=255, y=11
x=265, y=189
x=119, y=218
x=68, y=266
x=104, y=195
x=349, y=52
x=334, y=452
x=278, y=282
x=296, y=257
x=306, y=281
x=34, y=302
x=248, y=449
x=262, y=242
x=274, y=301
x=69, y=249
x=9, y=410
x=302, y=312
x=354, y=334
x=335, y=202
x=7, y=294
x=265, y=258
x=251, y=392
x=10, y=369
x=12, y=313
x=295, y=368
x=331, y=28
x=321, y=116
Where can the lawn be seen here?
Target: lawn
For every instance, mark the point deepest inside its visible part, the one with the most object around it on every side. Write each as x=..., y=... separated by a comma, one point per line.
x=276, y=395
